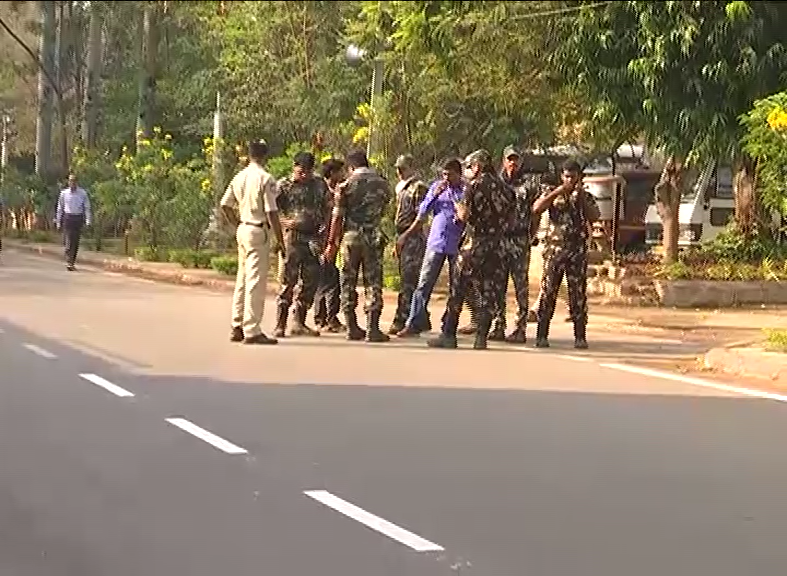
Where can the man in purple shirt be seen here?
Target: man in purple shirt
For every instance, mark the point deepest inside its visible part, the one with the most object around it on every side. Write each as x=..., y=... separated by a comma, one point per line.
x=442, y=244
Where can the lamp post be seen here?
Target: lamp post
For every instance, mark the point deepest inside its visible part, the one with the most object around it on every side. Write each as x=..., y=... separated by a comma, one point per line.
x=354, y=56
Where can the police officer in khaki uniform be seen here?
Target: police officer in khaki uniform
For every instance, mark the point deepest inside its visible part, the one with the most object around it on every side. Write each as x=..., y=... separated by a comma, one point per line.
x=250, y=204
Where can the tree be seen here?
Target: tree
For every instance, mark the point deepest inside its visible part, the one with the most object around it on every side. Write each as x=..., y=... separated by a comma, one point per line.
x=680, y=72
x=46, y=56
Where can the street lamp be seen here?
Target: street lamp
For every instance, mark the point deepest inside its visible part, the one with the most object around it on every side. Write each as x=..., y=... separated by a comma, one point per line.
x=354, y=56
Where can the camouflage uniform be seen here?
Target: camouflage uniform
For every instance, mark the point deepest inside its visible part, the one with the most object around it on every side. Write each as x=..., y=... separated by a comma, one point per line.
x=362, y=202
x=527, y=188
x=411, y=257
x=566, y=254
x=481, y=269
x=302, y=208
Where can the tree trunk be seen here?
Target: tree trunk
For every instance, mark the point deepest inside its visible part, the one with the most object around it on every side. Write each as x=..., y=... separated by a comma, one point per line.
x=668, y=192
x=46, y=53
x=747, y=212
x=60, y=40
x=148, y=70
x=94, y=53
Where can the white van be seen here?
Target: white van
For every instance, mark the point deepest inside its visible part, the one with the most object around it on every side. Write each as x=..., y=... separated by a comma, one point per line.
x=706, y=207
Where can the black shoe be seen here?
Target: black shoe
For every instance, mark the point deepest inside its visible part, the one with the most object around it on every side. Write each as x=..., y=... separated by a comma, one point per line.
x=71, y=267
x=580, y=335
x=260, y=339
x=442, y=341
x=237, y=334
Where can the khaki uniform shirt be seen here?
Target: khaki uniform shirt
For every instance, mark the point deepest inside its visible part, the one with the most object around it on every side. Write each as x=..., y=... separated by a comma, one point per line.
x=253, y=192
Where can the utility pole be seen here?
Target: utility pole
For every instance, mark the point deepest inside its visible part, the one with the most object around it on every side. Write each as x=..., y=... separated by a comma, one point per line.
x=373, y=146
x=4, y=145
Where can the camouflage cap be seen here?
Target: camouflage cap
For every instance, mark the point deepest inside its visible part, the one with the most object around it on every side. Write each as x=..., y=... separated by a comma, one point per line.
x=481, y=157
x=405, y=161
x=511, y=151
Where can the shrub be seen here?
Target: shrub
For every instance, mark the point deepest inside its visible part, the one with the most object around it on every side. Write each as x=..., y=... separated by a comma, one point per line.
x=147, y=254
x=189, y=258
x=227, y=265
x=776, y=340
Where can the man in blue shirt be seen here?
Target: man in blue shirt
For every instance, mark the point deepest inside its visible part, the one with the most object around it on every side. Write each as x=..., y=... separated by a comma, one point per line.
x=442, y=244
x=73, y=213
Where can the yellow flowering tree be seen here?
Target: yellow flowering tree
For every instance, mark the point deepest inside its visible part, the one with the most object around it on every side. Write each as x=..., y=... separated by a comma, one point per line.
x=172, y=195
x=765, y=140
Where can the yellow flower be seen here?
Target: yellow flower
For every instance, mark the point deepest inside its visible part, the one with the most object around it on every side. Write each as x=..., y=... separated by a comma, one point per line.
x=144, y=142
x=166, y=154
x=167, y=137
x=205, y=184
x=777, y=119
x=156, y=130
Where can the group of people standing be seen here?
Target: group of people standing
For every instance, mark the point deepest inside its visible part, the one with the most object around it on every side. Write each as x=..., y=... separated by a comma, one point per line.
x=483, y=223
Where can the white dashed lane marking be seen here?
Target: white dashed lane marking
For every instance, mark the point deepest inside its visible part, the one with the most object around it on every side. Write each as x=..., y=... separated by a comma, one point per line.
x=39, y=351
x=374, y=522
x=107, y=385
x=205, y=436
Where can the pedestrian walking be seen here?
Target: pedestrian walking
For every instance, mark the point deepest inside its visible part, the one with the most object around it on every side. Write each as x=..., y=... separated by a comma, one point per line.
x=572, y=211
x=72, y=215
x=442, y=243
x=487, y=210
x=249, y=203
x=326, y=300
x=411, y=241
x=302, y=202
x=355, y=229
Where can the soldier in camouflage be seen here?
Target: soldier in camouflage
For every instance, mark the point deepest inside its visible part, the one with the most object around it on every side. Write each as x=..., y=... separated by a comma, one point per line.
x=326, y=301
x=571, y=212
x=525, y=182
x=410, y=192
x=302, y=201
x=487, y=209
x=356, y=230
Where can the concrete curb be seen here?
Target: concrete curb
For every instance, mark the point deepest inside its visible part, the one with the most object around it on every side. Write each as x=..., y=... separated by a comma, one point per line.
x=751, y=362
x=129, y=267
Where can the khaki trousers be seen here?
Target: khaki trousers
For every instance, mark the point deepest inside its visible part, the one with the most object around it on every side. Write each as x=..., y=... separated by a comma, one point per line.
x=251, y=283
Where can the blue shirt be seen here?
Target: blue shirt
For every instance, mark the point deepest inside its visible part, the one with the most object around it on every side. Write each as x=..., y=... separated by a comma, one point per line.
x=445, y=233
x=73, y=202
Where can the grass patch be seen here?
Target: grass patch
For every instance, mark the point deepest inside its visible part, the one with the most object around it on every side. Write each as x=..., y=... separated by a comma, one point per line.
x=776, y=340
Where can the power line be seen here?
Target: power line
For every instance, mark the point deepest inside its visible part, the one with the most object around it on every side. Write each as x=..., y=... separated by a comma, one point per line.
x=559, y=11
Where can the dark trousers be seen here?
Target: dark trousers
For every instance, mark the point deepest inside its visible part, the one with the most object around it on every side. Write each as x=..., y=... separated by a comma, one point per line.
x=72, y=232
x=326, y=301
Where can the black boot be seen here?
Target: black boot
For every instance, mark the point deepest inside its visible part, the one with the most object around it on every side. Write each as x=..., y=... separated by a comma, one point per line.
x=542, y=334
x=354, y=331
x=498, y=333
x=580, y=335
x=282, y=312
x=299, y=327
x=373, y=332
x=482, y=333
x=518, y=336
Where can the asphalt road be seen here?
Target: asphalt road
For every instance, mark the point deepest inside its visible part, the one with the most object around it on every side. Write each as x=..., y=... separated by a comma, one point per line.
x=136, y=441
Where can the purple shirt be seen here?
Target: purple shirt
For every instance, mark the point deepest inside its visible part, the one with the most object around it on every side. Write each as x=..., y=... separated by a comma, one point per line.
x=444, y=234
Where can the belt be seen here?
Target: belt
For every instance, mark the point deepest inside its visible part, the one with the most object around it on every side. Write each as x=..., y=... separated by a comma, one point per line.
x=253, y=224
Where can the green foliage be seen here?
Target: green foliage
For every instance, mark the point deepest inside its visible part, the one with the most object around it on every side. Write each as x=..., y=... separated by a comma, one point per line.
x=189, y=258
x=732, y=246
x=765, y=140
x=724, y=271
x=776, y=340
x=148, y=254
x=227, y=265
x=172, y=200
x=679, y=72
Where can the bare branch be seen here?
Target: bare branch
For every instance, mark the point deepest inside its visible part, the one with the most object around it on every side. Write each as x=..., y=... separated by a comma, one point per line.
x=32, y=55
